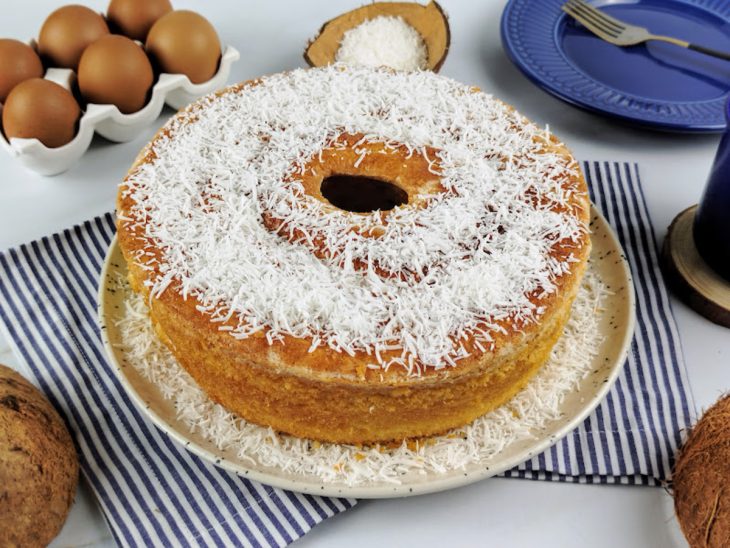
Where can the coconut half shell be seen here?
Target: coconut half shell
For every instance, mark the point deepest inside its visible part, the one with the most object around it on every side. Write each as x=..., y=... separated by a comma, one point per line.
x=701, y=480
x=430, y=21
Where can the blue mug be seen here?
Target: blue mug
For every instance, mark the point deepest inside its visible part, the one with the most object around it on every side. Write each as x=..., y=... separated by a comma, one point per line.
x=712, y=221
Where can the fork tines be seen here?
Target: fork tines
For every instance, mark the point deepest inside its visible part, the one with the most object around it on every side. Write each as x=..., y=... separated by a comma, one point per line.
x=593, y=18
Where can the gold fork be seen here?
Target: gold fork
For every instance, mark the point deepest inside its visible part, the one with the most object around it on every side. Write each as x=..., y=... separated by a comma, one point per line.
x=619, y=33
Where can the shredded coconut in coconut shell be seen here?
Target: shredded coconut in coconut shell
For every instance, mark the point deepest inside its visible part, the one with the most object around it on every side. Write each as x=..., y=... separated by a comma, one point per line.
x=383, y=41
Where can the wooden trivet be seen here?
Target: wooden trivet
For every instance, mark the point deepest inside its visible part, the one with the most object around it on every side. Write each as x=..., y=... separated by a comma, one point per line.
x=690, y=276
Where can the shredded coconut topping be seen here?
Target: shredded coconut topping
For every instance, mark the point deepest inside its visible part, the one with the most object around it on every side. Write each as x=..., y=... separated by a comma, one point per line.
x=481, y=249
x=525, y=417
x=383, y=41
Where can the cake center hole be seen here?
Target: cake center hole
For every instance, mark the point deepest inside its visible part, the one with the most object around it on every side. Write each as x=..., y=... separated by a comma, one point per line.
x=361, y=194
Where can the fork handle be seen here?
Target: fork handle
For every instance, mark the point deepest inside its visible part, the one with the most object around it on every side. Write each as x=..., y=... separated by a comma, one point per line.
x=710, y=51
x=688, y=45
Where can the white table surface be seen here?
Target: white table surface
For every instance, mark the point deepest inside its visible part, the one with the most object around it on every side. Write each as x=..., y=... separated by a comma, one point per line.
x=270, y=36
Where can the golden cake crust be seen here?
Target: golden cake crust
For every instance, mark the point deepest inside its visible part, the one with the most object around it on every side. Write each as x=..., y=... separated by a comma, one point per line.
x=333, y=396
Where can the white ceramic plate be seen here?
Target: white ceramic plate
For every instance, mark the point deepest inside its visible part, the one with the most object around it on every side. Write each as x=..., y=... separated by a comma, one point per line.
x=617, y=327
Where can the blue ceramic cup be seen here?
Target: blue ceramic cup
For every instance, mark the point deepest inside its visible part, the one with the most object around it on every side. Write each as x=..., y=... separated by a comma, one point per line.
x=712, y=221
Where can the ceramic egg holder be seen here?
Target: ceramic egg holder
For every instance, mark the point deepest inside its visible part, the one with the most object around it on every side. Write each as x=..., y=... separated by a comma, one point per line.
x=174, y=89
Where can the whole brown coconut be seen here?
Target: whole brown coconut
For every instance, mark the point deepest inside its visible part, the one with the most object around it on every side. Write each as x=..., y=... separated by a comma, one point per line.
x=39, y=468
x=701, y=480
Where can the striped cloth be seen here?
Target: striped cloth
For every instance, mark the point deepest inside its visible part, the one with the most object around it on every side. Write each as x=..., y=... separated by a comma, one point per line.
x=154, y=492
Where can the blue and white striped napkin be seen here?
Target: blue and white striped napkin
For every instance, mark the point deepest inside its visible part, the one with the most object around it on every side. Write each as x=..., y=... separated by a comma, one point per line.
x=153, y=491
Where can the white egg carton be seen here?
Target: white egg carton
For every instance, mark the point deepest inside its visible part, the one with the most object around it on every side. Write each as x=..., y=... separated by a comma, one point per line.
x=174, y=89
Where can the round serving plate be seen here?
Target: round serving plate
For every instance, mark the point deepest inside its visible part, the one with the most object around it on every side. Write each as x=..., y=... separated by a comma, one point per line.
x=616, y=328
x=655, y=84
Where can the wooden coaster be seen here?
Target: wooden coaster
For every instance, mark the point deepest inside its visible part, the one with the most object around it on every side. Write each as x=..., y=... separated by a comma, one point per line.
x=690, y=276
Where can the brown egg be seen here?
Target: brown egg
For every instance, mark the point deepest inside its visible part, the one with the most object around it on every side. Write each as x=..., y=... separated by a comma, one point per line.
x=42, y=109
x=186, y=43
x=18, y=62
x=66, y=33
x=134, y=18
x=115, y=70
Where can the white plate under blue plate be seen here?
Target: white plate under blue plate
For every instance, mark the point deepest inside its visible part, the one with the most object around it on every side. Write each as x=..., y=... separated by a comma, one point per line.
x=656, y=84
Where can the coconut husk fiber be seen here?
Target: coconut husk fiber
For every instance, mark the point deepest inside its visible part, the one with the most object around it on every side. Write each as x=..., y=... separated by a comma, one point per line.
x=701, y=480
x=39, y=468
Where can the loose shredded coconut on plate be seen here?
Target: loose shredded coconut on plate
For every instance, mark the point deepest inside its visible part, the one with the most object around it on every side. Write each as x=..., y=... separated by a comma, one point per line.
x=383, y=41
x=531, y=410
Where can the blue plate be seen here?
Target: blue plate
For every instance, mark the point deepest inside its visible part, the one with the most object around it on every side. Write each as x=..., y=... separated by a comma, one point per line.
x=656, y=84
